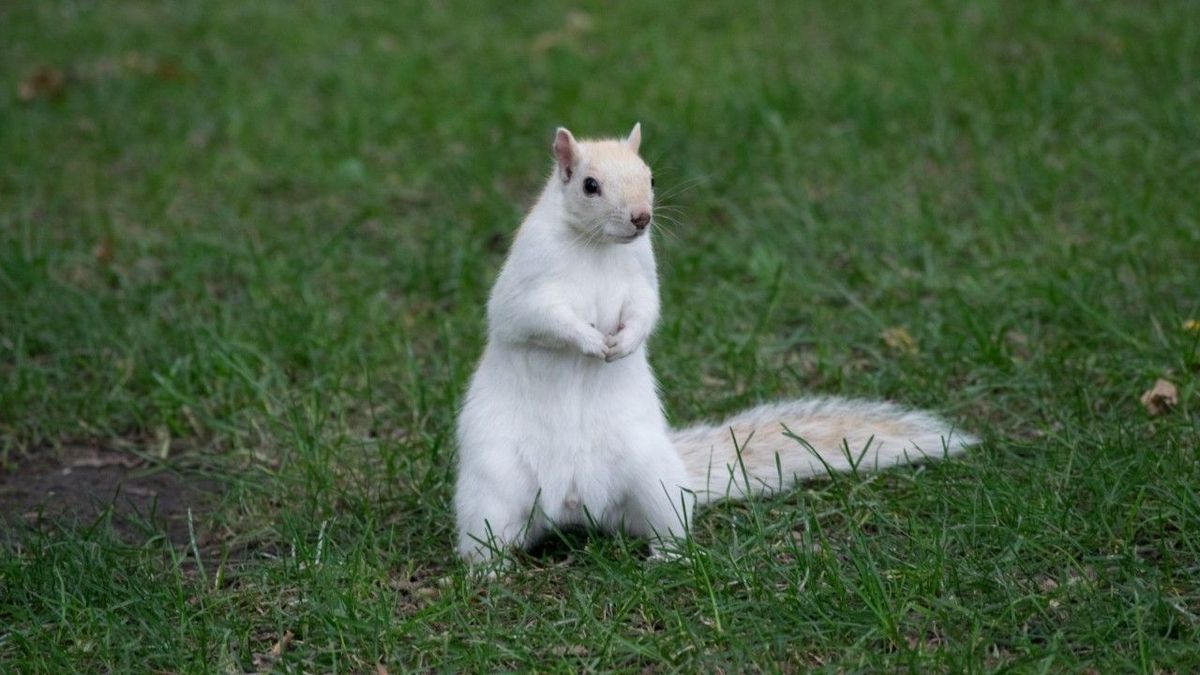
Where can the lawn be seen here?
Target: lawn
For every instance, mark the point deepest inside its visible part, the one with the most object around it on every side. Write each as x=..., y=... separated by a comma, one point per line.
x=245, y=248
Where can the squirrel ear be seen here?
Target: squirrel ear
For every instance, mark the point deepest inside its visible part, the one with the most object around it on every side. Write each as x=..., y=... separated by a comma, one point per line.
x=566, y=152
x=635, y=137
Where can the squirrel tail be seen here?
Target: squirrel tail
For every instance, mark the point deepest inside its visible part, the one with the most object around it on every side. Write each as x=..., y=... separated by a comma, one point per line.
x=769, y=448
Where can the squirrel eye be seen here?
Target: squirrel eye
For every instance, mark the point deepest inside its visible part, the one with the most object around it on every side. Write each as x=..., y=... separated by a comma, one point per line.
x=590, y=186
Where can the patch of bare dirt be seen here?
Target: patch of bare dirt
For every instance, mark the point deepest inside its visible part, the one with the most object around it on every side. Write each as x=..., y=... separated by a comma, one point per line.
x=78, y=485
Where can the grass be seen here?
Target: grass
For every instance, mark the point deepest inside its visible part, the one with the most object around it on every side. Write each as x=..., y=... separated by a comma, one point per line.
x=256, y=238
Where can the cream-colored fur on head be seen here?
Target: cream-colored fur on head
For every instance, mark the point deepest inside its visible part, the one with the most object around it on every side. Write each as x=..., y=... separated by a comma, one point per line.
x=562, y=422
x=622, y=180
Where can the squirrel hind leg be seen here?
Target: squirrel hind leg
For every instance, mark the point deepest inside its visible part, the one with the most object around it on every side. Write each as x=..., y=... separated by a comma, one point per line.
x=659, y=507
x=494, y=519
x=486, y=539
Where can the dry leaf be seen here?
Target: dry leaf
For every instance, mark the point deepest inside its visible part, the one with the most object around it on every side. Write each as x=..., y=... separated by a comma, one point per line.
x=1191, y=326
x=168, y=71
x=265, y=661
x=570, y=650
x=1160, y=398
x=281, y=644
x=103, y=251
x=44, y=82
x=900, y=341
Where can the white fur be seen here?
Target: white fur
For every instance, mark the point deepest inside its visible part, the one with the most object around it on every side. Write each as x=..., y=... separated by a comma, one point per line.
x=562, y=423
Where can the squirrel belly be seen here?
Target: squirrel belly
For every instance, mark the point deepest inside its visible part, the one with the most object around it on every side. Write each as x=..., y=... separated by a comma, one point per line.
x=568, y=426
x=562, y=423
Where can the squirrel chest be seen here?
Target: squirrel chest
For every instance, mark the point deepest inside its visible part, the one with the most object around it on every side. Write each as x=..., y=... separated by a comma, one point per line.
x=599, y=292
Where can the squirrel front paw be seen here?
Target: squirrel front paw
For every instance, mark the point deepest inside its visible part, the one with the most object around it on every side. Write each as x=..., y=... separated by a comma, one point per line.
x=621, y=343
x=593, y=343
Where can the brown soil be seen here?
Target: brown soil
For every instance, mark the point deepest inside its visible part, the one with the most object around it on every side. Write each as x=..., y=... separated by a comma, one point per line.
x=78, y=485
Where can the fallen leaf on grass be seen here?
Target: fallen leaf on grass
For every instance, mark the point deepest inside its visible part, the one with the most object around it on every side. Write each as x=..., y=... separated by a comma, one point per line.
x=103, y=251
x=50, y=83
x=570, y=650
x=169, y=71
x=1191, y=326
x=419, y=586
x=281, y=644
x=929, y=641
x=45, y=82
x=265, y=661
x=900, y=341
x=1160, y=398
x=137, y=63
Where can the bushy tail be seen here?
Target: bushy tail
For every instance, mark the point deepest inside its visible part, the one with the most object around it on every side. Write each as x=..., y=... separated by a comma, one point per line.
x=780, y=443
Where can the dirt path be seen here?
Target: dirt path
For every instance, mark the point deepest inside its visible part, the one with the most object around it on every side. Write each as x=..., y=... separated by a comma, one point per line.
x=79, y=484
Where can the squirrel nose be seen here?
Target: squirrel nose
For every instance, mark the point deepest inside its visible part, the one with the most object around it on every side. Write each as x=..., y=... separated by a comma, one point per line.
x=640, y=220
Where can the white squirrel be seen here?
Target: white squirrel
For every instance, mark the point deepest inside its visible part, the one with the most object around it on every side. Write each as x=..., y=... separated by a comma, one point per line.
x=562, y=423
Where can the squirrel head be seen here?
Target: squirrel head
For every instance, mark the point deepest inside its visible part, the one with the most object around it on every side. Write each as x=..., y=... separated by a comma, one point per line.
x=607, y=190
